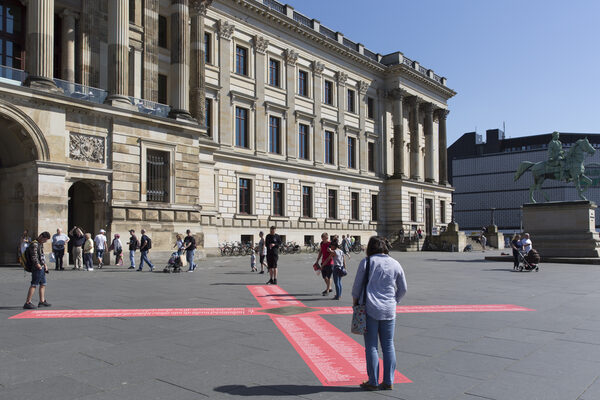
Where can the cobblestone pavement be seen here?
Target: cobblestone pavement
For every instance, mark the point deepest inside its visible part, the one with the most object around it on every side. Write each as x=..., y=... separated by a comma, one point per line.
x=550, y=353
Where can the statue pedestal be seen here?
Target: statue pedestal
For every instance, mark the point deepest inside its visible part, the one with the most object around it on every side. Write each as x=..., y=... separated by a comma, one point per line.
x=562, y=228
x=453, y=236
x=494, y=238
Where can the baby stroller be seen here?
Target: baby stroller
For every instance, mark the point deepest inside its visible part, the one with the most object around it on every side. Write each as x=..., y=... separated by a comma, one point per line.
x=175, y=264
x=529, y=261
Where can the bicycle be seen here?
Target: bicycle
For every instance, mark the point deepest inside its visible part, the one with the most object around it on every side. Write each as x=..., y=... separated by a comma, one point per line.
x=356, y=248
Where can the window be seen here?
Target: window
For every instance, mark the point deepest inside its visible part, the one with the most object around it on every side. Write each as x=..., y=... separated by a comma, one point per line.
x=351, y=152
x=307, y=202
x=329, y=146
x=245, y=192
x=355, y=214
x=247, y=239
x=241, y=60
x=132, y=11
x=208, y=116
x=332, y=203
x=370, y=108
x=413, y=208
x=274, y=72
x=371, y=156
x=274, y=135
x=207, y=49
x=162, y=89
x=278, y=199
x=351, y=106
x=328, y=98
x=309, y=239
x=303, y=83
x=162, y=31
x=12, y=34
x=241, y=128
x=303, y=141
x=157, y=176
x=442, y=211
x=374, y=207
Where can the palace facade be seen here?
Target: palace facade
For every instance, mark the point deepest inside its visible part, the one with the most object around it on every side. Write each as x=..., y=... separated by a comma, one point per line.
x=224, y=117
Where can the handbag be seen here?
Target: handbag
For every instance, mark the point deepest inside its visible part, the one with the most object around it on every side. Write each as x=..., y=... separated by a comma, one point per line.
x=359, y=311
x=341, y=270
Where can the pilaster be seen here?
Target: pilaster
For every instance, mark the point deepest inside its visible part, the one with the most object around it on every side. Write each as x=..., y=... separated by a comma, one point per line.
x=291, y=57
x=118, y=53
x=197, y=64
x=416, y=159
x=430, y=151
x=397, y=96
x=319, y=143
x=342, y=158
x=443, y=155
x=261, y=129
x=363, y=154
x=225, y=31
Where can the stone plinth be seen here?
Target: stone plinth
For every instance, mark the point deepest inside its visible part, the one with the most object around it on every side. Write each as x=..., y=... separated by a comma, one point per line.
x=494, y=238
x=562, y=229
x=454, y=236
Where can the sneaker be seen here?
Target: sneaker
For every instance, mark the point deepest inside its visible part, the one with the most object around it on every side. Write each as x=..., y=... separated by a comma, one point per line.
x=190, y=270
x=29, y=306
x=335, y=298
x=132, y=267
x=44, y=304
x=274, y=281
x=385, y=386
x=151, y=269
x=325, y=292
x=91, y=269
x=261, y=272
x=270, y=282
x=368, y=386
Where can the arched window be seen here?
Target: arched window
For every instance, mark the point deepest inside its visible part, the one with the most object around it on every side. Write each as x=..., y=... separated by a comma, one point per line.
x=12, y=34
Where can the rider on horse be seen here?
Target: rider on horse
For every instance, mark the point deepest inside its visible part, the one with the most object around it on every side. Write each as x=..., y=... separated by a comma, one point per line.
x=556, y=155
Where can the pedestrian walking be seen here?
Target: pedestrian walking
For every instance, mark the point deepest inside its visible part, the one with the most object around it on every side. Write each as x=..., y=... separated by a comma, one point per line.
x=262, y=252
x=77, y=241
x=179, y=244
x=380, y=279
x=36, y=262
x=100, y=241
x=339, y=268
x=134, y=244
x=88, y=252
x=345, y=245
x=326, y=262
x=117, y=247
x=59, y=240
x=189, y=245
x=145, y=246
x=272, y=242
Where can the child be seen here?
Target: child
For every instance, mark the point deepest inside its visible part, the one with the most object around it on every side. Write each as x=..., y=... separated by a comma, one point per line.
x=253, y=261
x=339, y=268
x=117, y=247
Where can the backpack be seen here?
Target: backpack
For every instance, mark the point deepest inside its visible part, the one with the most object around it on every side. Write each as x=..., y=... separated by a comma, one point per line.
x=23, y=259
x=148, y=243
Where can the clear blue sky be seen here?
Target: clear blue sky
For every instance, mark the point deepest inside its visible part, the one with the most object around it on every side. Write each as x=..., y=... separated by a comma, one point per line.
x=533, y=64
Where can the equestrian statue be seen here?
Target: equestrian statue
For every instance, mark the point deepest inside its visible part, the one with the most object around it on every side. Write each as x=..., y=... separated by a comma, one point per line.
x=560, y=166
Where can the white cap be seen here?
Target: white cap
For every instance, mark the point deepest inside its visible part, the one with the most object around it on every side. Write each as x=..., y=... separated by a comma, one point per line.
x=102, y=231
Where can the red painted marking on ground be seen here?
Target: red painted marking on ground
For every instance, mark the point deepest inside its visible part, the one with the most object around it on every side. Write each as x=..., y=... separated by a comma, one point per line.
x=434, y=309
x=334, y=357
x=131, y=313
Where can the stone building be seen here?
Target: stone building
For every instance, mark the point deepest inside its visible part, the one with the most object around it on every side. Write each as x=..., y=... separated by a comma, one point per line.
x=223, y=116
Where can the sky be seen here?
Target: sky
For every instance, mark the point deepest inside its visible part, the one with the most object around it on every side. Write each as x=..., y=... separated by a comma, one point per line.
x=532, y=66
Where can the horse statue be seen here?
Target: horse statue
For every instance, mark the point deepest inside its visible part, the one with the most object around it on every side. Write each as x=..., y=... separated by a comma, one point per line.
x=570, y=169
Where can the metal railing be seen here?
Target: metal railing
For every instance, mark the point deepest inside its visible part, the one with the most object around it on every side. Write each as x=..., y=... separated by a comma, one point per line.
x=81, y=92
x=351, y=44
x=327, y=32
x=302, y=19
x=275, y=5
x=150, y=107
x=12, y=76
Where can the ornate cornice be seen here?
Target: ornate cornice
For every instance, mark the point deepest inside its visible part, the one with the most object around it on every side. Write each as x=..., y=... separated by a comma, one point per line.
x=290, y=56
x=199, y=6
x=414, y=75
x=261, y=44
x=318, y=67
x=225, y=30
x=341, y=77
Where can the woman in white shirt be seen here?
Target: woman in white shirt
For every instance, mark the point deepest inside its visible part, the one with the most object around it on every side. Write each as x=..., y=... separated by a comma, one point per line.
x=385, y=284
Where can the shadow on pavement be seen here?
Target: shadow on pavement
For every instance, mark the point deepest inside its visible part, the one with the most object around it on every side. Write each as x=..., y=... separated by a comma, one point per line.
x=455, y=261
x=275, y=390
x=11, y=308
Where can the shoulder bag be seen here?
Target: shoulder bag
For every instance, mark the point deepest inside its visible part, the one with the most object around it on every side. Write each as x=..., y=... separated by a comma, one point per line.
x=359, y=311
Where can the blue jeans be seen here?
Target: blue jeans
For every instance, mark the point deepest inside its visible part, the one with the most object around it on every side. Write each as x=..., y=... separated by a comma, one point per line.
x=384, y=329
x=189, y=256
x=88, y=260
x=143, y=258
x=337, y=282
x=132, y=258
x=100, y=256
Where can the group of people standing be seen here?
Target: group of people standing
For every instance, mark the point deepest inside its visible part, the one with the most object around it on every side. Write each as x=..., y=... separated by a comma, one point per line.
x=520, y=244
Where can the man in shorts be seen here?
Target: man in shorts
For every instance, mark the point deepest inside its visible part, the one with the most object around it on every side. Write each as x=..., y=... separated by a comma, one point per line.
x=272, y=241
x=37, y=263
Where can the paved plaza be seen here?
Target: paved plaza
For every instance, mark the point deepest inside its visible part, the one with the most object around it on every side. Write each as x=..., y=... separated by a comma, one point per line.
x=225, y=345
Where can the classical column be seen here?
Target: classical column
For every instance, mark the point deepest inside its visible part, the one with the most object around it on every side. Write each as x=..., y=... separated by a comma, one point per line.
x=180, y=54
x=398, y=120
x=225, y=31
x=68, y=46
x=341, y=79
x=260, y=48
x=363, y=154
x=443, y=156
x=150, y=84
x=291, y=57
x=430, y=159
x=416, y=161
x=118, y=53
x=318, y=143
x=198, y=89
x=40, y=44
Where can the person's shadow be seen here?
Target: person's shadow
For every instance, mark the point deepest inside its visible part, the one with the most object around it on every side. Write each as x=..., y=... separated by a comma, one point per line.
x=281, y=390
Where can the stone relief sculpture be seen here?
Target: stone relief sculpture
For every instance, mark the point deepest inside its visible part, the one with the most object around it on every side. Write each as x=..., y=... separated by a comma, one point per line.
x=560, y=166
x=86, y=148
